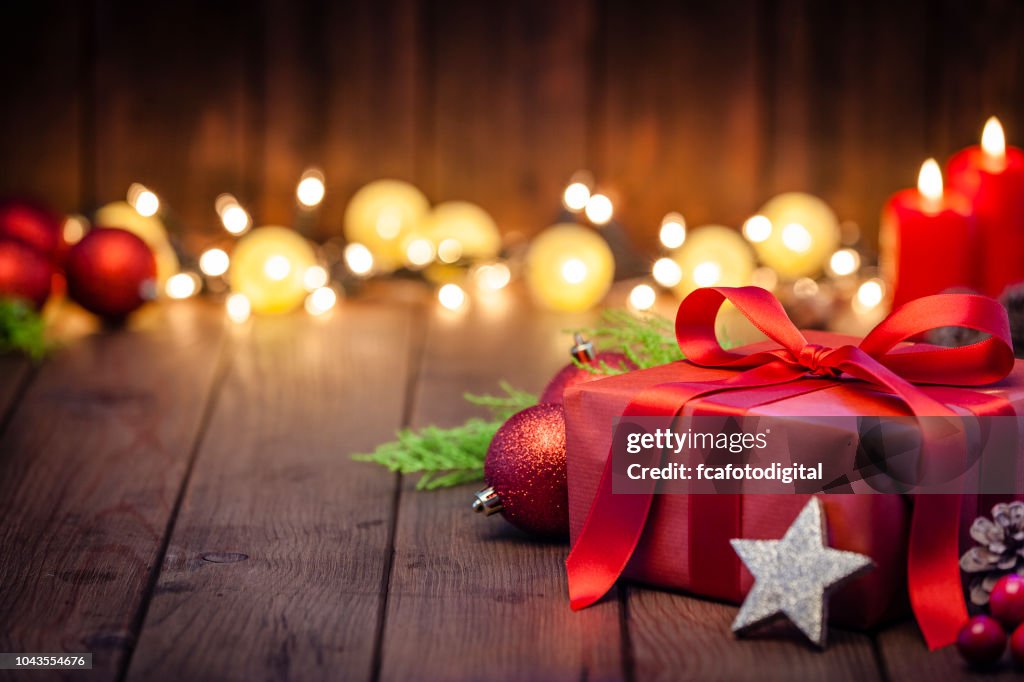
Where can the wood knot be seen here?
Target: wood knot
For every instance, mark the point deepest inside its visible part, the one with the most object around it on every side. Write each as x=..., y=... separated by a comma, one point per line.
x=224, y=557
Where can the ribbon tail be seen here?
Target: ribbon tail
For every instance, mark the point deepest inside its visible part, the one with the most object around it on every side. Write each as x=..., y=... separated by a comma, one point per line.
x=933, y=569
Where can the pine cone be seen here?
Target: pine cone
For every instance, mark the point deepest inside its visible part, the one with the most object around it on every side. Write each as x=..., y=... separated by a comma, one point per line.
x=1013, y=300
x=1000, y=550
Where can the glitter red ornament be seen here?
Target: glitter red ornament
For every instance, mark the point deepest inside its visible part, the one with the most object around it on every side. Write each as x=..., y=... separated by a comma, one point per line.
x=33, y=225
x=24, y=273
x=526, y=475
x=110, y=272
x=1006, y=602
x=982, y=641
x=573, y=374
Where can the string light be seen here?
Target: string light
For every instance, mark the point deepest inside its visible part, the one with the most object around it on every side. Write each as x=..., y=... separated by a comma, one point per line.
x=449, y=250
x=358, y=259
x=576, y=196
x=844, y=262
x=310, y=190
x=707, y=274
x=796, y=237
x=599, y=209
x=642, y=297
x=321, y=301
x=493, y=277
x=277, y=267
x=757, y=229
x=667, y=272
x=805, y=287
x=869, y=295
x=673, y=231
x=214, y=262
x=182, y=285
x=74, y=229
x=238, y=308
x=315, y=277
x=143, y=200
x=451, y=296
x=574, y=271
x=235, y=219
x=419, y=252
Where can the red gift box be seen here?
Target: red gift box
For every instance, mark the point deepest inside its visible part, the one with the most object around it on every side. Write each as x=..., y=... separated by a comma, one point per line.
x=682, y=540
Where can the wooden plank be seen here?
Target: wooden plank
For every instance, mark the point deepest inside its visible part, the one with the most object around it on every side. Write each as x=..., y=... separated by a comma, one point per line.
x=506, y=122
x=342, y=93
x=172, y=106
x=471, y=598
x=905, y=657
x=679, y=107
x=679, y=637
x=276, y=563
x=42, y=68
x=90, y=470
x=14, y=371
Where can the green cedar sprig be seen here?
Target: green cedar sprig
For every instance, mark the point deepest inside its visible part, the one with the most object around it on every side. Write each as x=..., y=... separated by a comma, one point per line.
x=648, y=340
x=21, y=329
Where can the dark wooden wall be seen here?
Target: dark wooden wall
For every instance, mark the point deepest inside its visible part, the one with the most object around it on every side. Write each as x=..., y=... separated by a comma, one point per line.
x=703, y=107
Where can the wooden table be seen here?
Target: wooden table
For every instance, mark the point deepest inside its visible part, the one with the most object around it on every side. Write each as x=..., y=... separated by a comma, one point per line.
x=177, y=497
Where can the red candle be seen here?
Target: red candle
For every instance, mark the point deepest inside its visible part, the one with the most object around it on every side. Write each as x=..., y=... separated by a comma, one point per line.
x=992, y=178
x=927, y=239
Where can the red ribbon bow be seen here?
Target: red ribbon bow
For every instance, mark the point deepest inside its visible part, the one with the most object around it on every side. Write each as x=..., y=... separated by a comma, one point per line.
x=615, y=523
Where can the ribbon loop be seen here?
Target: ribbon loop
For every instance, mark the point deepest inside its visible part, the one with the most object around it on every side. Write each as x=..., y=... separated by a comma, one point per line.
x=813, y=356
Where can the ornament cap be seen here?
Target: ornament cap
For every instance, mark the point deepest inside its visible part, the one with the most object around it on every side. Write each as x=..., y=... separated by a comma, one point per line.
x=487, y=502
x=583, y=350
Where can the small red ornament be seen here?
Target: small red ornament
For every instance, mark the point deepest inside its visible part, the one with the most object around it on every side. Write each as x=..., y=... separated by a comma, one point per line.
x=110, y=272
x=24, y=273
x=525, y=469
x=1006, y=602
x=1017, y=645
x=34, y=226
x=572, y=374
x=982, y=641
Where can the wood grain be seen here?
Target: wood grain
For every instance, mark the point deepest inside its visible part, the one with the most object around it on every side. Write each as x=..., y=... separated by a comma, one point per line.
x=14, y=371
x=905, y=657
x=677, y=637
x=275, y=566
x=90, y=468
x=471, y=598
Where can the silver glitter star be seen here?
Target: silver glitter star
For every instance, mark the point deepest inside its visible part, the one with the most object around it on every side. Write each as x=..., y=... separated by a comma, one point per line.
x=793, y=576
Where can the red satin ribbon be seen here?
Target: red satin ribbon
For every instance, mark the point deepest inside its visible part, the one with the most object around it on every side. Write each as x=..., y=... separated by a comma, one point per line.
x=615, y=523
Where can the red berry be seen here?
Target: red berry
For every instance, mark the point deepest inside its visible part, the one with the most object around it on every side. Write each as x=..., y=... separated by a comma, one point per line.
x=1017, y=645
x=1006, y=603
x=982, y=641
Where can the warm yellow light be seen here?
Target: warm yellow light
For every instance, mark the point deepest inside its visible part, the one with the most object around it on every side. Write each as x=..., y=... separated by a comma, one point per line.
x=796, y=237
x=310, y=191
x=599, y=209
x=993, y=140
x=869, y=295
x=238, y=307
x=321, y=301
x=419, y=252
x=182, y=285
x=707, y=274
x=74, y=229
x=673, y=231
x=235, y=219
x=143, y=200
x=469, y=225
x=277, y=267
x=929, y=180
x=642, y=297
x=389, y=222
x=576, y=196
x=358, y=259
x=451, y=296
x=315, y=277
x=805, y=287
x=492, y=277
x=214, y=262
x=766, y=278
x=667, y=272
x=383, y=216
x=844, y=262
x=574, y=271
x=757, y=229
x=449, y=250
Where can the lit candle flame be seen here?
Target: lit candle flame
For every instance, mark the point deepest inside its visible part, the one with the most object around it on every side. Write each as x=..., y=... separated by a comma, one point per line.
x=929, y=180
x=993, y=140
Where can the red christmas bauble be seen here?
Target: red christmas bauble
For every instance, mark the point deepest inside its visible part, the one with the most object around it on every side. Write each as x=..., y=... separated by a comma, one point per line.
x=34, y=226
x=526, y=467
x=1017, y=645
x=1006, y=602
x=982, y=641
x=571, y=374
x=24, y=273
x=110, y=272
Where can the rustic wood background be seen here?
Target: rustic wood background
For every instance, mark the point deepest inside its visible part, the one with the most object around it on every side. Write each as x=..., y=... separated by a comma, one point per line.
x=704, y=107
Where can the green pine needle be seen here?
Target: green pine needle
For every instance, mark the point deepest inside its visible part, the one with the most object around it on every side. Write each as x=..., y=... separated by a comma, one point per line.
x=21, y=329
x=647, y=340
